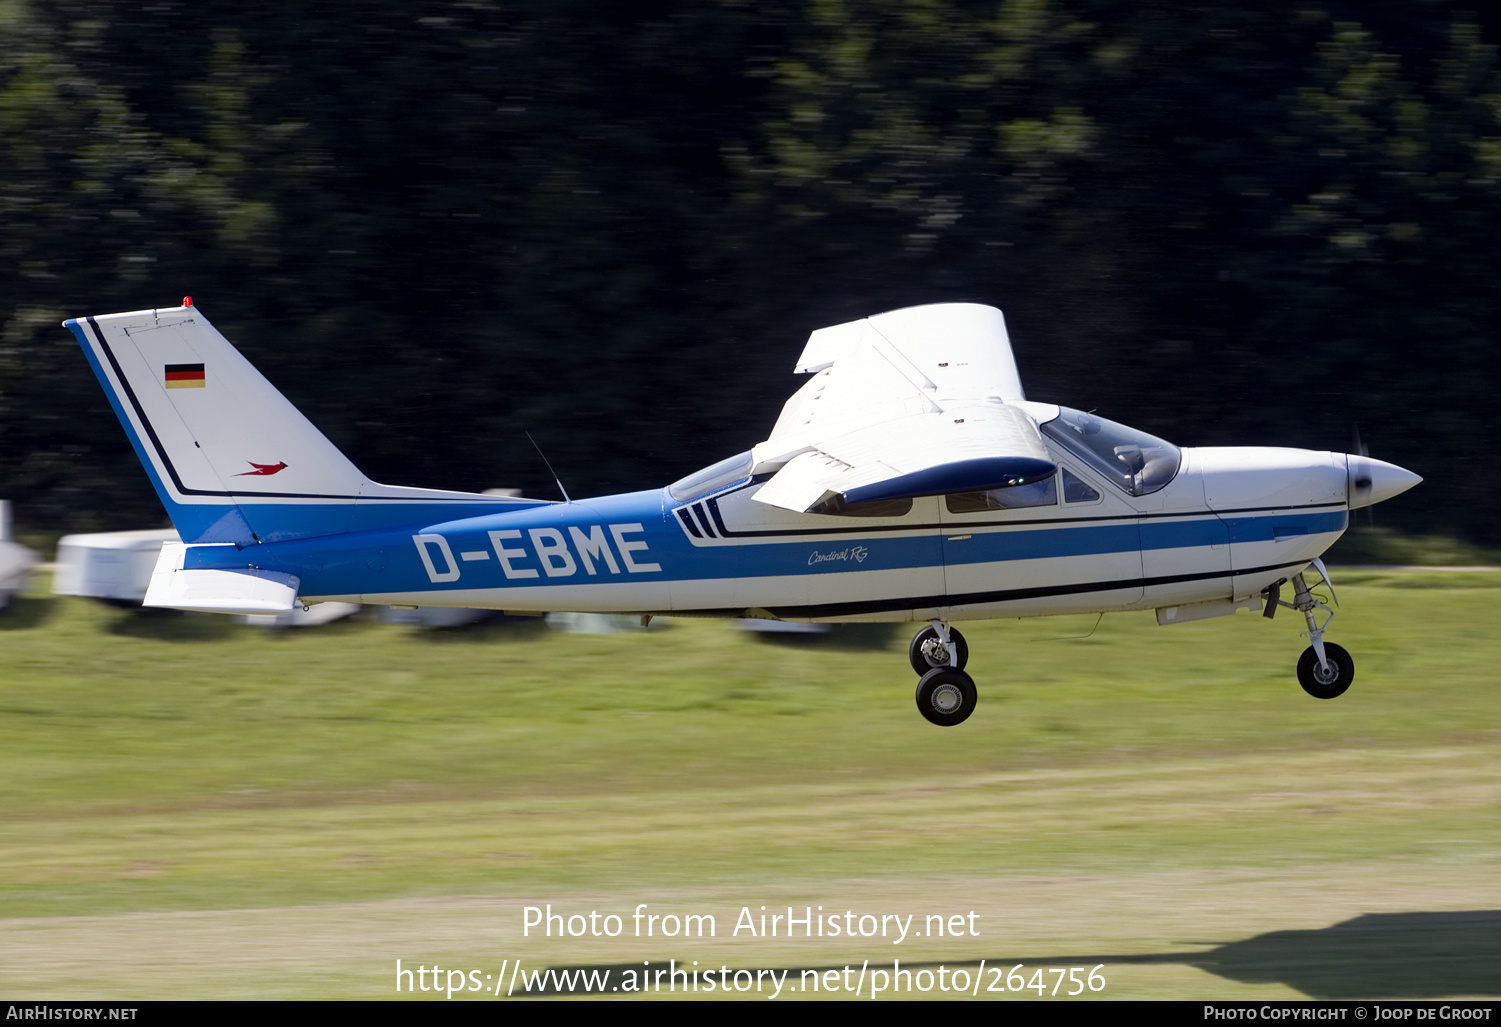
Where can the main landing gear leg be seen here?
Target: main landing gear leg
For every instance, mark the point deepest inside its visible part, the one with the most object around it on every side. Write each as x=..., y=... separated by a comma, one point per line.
x=938, y=645
x=946, y=695
x=1325, y=670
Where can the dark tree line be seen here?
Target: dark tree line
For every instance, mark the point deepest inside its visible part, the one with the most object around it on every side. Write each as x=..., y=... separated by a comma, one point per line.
x=439, y=225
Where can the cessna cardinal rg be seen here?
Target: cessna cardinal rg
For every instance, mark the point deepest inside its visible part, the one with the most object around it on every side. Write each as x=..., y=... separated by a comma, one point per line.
x=909, y=479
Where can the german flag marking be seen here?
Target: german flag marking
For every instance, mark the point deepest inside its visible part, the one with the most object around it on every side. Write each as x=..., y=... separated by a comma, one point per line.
x=185, y=376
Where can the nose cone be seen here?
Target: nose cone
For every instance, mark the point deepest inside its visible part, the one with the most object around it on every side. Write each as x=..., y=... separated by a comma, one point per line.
x=1371, y=481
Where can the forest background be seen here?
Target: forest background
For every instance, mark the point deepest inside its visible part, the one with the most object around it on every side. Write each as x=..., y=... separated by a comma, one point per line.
x=439, y=225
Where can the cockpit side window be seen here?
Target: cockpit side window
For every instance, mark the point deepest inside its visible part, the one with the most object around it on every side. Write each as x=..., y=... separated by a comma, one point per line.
x=1076, y=489
x=711, y=478
x=1138, y=463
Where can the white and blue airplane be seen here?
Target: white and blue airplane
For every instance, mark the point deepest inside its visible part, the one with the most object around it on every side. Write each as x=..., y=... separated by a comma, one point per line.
x=909, y=479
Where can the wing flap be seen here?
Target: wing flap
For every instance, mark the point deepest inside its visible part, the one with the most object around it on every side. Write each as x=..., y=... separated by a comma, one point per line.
x=803, y=483
x=828, y=345
x=962, y=347
x=874, y=383
x=949, y=349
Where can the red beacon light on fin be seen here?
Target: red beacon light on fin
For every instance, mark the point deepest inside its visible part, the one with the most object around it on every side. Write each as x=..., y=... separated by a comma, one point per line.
x=187, y=301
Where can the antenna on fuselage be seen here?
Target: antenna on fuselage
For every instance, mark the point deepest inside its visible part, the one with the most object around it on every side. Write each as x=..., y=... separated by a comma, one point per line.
x=549, y=467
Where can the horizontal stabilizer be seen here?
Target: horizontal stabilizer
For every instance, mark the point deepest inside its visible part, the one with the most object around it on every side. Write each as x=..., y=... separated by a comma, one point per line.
x=247, y=591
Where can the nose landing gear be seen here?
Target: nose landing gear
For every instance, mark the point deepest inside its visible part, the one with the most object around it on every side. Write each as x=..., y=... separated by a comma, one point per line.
x=946, y=695
x=1325, y=670
x=1329, y=679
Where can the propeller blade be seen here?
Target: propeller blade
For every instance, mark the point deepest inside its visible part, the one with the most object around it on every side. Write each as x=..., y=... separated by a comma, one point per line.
x=1362, y=480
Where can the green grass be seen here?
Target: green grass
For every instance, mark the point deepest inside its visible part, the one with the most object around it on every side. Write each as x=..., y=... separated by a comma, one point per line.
x=1367, y=544
x=1132, y=792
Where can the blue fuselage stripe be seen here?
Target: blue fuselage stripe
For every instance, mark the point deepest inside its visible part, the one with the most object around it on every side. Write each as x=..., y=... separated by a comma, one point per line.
x=388, y=561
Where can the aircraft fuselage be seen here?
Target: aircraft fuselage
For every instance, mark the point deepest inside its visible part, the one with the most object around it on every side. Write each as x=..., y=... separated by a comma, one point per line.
x=1231, y=522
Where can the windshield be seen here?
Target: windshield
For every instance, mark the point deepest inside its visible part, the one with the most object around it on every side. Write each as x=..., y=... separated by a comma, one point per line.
x=1136, y=462
x=711, y=478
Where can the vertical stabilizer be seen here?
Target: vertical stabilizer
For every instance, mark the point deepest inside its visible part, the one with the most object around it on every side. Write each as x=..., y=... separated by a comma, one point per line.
x=231, y=458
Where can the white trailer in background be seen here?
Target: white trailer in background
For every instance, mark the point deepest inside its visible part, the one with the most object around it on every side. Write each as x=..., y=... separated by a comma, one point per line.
x=16, y=560
x=112, y=566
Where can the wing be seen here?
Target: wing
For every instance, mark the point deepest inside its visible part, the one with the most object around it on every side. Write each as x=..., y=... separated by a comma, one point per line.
x=915, y=402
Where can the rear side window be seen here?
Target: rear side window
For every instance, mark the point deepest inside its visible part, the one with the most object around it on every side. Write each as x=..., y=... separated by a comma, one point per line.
x=1038, y=493
x=836, y=506
x=711, y=478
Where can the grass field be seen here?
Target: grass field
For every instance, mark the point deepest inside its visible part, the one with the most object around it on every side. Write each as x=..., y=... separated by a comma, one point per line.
x=196, y=809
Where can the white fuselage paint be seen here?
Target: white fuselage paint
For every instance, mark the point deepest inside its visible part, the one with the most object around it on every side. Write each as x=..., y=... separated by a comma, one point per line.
x=1232, y=522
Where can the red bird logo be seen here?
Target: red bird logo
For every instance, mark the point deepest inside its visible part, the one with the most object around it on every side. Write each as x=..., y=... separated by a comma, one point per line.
x=262, y=468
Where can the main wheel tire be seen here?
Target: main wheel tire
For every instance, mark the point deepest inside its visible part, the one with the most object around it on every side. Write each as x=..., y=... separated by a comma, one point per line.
x=1321, y=683
x=919, y=659
x=946, y=696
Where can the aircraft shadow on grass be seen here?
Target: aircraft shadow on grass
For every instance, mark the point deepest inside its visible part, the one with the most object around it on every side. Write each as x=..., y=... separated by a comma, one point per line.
x=170, y=626
x=1378, y=955
x=1375, y=956
x=847, y=637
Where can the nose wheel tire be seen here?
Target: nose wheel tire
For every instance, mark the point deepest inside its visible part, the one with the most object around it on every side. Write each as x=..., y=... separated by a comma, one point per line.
x=946, y=696
x=1321, y=682
x=927, y=651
